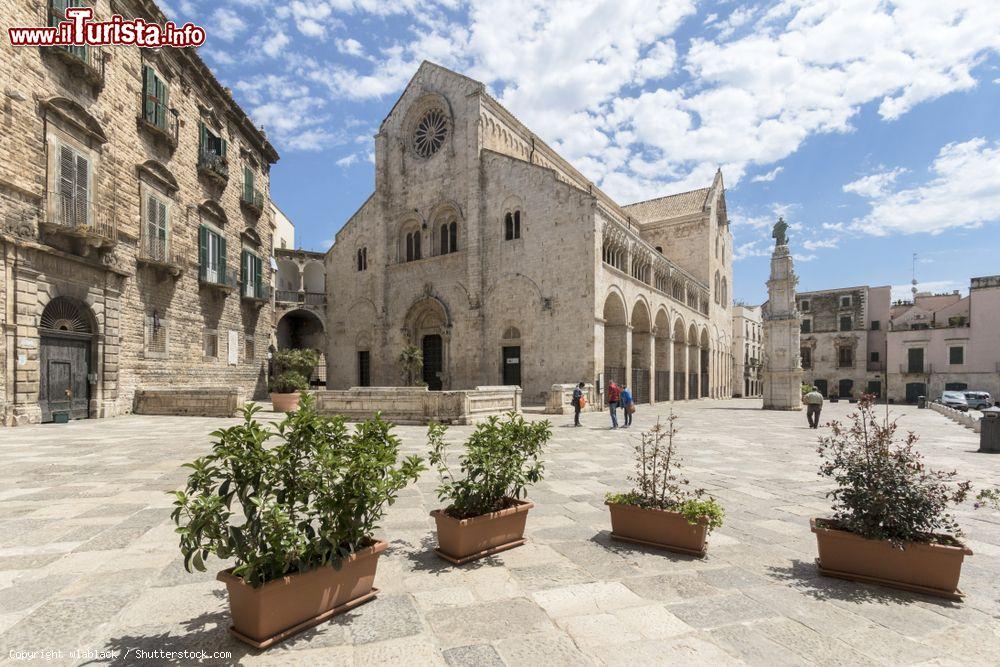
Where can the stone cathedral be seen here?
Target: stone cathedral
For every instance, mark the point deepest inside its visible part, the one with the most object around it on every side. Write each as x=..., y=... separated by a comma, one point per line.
x=504, y=265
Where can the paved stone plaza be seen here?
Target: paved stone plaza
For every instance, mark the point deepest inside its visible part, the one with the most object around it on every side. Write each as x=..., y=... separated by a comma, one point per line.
x=88, y=559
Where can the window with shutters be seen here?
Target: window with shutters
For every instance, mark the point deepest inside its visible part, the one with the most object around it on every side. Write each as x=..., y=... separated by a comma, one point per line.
x=88, y=55
x=156, y=337
x=211, y=344
x=212, y=154
x=806, y=326
x=212, y=256
x=155, y=96
x=73, y=188
x=251, y=197
x=845, y=357
x=154, y=228
x=253, y=286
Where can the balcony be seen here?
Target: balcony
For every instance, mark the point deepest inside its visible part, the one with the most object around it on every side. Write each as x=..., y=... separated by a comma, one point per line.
x=301, y=297
x=213, y=277
x=214, y=167
x=252, y=200
x=81, y=218
x=912, y=369
x=159, y=122
x=257, y=292
x=87, y=62
x=157, y=253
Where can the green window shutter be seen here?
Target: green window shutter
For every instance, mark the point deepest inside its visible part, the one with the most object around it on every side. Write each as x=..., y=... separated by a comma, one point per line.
x=247, y=180
x=202, y=251
x=222, y=260
x=202, y=137
x=258, y=276
x=161, y=220
x=57, y=11
x=244, y=269
x=162, y=96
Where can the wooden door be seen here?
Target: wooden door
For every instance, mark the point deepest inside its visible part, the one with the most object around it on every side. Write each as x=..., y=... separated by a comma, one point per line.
x=512, y=365
x=63, y=387
x=433, y=349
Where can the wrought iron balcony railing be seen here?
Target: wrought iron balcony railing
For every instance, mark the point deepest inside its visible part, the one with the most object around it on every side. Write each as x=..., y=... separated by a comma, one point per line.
x=158, y=120
x=87, y=60
x=81, y=217
x=255, y=291
x=252, y=199
x=215, y=277
x=213, y=165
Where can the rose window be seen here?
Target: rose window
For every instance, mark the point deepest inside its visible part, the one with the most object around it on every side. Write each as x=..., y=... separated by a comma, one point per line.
x=430, y=133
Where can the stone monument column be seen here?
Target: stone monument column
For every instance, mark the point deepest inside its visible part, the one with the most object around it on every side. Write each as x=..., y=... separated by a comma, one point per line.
x=782, y=367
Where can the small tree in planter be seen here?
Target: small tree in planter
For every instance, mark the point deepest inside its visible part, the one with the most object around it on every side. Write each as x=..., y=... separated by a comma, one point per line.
x=661, y=510
x=292, y=369
x=890, y=522
x=310, y=504
x=485, y=513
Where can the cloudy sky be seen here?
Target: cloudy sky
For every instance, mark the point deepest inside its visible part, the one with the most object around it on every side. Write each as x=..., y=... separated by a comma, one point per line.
x=873, y=127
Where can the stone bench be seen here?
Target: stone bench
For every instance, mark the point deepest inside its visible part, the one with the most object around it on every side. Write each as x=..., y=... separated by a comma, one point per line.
x=418, y=405
x=191, y=401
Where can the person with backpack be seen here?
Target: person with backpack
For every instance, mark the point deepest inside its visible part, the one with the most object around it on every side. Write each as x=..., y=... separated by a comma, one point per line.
x=628, y=405
x=614, y=395
x=579, y=402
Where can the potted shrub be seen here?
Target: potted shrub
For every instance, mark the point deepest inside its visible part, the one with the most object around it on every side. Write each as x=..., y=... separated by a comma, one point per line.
x=661, y=510
x=308, y=495
x=485, y=512
x=292, y=369
x=890, y=522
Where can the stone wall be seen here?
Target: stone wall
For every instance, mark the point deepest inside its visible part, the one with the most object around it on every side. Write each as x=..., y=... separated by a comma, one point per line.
x=113, y=277
x=417, y=405
x=195, y=401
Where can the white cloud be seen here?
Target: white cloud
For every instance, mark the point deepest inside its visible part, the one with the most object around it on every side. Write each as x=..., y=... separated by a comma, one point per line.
x=822, y=243
x=768, y=177
x=755, y=248
x=875, y=184
x=348, y=160
x=962, y=192
x=227, y=24
x=803, y=258
x=350, y=47
x=275, y=44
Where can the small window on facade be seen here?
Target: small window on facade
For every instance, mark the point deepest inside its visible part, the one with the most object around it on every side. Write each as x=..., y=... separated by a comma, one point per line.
x=804, y=305
x=806, y=355
x=154, y=230
x=874, y=357
x=845, y=357
x=212, y=256
x=512, y=226
x=211, y=344
x=956, y=355
x=363, y=259
x=73, y=188
x=156, y=336
x=876, y=325
x=449, y=237
x=806, y=326
x=154, y=98
x=845, y=302
x=413, y=246
x=846, y=324
x=253, y=269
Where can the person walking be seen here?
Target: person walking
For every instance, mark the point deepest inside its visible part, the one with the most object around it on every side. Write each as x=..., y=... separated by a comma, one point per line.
x=628, y=405
x=814, y=406
x=614, y=396
x=579, y=402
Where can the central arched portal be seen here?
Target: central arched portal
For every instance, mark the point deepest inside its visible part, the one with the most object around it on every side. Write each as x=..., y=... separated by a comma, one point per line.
x=67, y=338
x=427, y=327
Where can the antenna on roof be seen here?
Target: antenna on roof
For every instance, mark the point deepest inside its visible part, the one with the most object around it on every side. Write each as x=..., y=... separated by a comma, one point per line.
x=913, y=275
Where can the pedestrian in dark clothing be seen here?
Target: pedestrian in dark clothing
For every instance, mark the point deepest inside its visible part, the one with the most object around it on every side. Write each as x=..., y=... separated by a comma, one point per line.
x=614, y=396
x=578, y=403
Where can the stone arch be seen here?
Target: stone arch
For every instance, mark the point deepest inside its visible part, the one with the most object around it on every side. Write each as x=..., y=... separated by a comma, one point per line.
x=314, y=277
x=679, y=383
x=447, y=228
x=661, y=354
x=157, y=173
x=68, y=354
x=74, y=115
x=642, y=350
x=415, y=113
x=214, y=211
x=615, y=336
x=704, y=362
x=301, y=329
x=409, y=246
x=289, y=278
x=427, y=325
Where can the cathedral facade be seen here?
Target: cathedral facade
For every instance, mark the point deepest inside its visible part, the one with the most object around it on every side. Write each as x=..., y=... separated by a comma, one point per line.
x=503, y=265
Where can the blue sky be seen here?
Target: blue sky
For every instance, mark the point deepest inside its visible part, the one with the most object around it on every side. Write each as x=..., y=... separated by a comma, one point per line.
x=871, y=126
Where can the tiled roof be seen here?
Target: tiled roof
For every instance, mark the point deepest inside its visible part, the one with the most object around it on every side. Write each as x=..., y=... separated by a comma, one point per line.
x=671, y=206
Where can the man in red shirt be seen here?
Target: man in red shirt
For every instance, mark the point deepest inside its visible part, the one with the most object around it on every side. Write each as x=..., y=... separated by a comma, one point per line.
x=614, y=397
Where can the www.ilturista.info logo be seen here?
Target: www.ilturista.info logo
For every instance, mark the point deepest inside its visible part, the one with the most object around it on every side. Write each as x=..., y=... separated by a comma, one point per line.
x=79, y=30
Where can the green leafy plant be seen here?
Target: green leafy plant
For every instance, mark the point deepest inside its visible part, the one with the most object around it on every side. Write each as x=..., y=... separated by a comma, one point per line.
x=294, y=360
x=658, y=483
x=411, y=361
x=307, y=493
x=884, y=490
x=288, y=382
x=502, y=458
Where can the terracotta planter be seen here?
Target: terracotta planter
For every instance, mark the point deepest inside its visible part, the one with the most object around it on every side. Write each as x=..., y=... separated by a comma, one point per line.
x=658, y=528
x=285, y=402
x=925, y=568
x=464, y=540
x=266, y=615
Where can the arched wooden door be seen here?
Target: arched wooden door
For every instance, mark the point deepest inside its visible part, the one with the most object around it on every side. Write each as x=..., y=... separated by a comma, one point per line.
x=64, y=360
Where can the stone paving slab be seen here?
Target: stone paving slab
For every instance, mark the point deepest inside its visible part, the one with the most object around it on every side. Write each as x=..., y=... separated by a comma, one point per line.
x=88, y=558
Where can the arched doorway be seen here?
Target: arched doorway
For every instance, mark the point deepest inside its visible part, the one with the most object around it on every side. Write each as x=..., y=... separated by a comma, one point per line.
x=67, y=337
x=615, y=339
x=300, y=329
x=641, y=352
x=427, y=327
x=510, y=352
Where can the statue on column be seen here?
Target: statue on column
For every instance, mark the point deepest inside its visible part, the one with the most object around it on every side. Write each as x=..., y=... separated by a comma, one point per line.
x=779, y=232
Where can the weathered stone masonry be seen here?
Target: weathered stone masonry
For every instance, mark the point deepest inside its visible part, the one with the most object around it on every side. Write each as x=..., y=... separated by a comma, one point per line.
x=103, y=195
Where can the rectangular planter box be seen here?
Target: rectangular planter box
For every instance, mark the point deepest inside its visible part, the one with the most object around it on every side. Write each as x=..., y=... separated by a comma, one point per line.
x=924, y=568
x=658, y=528
x=266, y=615
x=463, y=540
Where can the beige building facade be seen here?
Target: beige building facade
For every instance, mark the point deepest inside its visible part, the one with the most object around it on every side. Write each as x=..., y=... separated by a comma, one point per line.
x=748, y=351
x=134, y=232
x=504, y=265
x=855, y=339
x=843, y=335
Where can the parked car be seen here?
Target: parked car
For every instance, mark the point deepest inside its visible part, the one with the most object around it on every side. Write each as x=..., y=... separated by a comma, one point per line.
x=978, y=400
x=954, y=399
